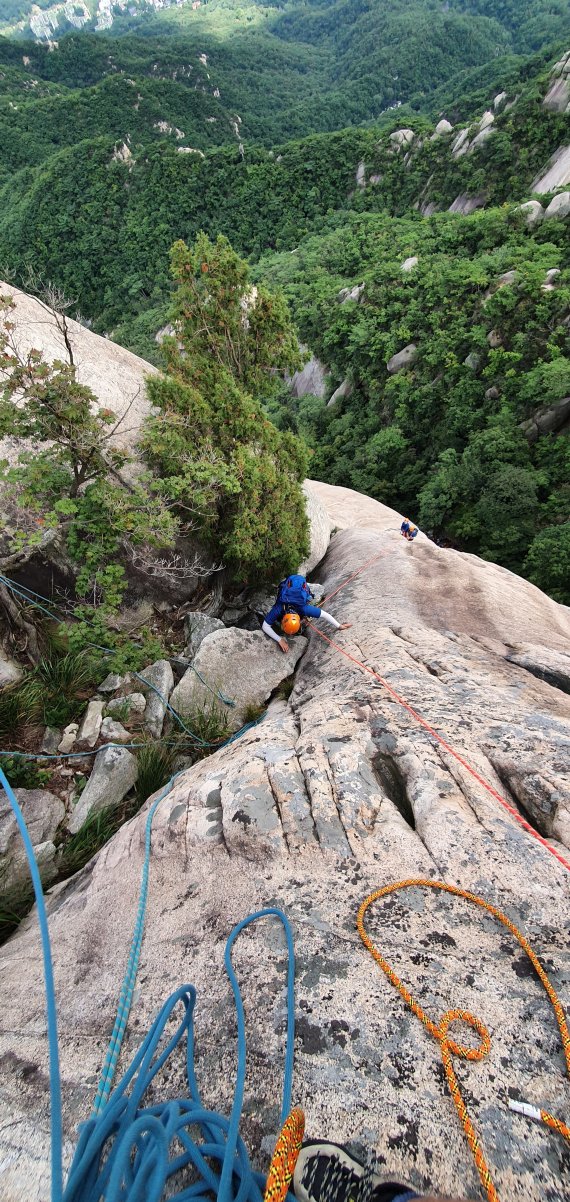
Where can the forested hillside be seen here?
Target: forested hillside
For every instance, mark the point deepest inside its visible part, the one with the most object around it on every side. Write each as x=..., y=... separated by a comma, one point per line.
x=424, y=128
x=447, y=434
x=100, y=216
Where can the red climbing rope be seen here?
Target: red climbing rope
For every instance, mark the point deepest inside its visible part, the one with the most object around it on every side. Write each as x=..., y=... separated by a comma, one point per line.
x=418, y=718
x=380, y=555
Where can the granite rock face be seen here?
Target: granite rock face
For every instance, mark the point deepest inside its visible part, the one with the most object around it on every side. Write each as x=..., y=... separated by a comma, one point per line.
x=340, y=791
x=310, y=380
x=320, y=527
x=116, y=376
x=556, y=173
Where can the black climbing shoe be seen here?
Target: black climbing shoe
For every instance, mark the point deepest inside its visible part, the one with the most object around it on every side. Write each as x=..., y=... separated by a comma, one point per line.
x=326, y=1172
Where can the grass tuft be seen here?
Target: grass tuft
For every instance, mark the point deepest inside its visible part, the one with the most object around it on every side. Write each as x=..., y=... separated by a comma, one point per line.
x=156, y=766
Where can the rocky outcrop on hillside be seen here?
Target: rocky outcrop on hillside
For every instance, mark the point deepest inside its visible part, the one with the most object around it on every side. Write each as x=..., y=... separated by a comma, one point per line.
x=115, y=375
x=337, y=792
x=118, y=379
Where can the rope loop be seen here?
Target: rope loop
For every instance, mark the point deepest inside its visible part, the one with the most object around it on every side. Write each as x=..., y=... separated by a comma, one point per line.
x=459, y=1049
x=450, y=1047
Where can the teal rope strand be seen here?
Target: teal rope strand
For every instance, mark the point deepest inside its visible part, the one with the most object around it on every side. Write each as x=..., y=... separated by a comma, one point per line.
x=130, y=1153
x=127, y=988
x=54, y=1073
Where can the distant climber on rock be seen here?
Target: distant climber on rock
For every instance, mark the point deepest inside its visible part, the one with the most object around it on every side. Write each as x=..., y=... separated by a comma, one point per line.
x=408, y=530
x=292, y=606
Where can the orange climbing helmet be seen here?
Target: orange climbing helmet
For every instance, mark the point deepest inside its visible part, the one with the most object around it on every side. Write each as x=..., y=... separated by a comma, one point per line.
x=290, y=623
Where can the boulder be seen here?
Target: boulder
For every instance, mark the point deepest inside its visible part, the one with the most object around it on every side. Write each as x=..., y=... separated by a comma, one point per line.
x=320, y=527
x=114, y=774
x=43, y=814
x=547, y=420
x=557, y=98
x=473, y=361
x=559, y=206
x=343, y=391
x=486, y=121
x=196, y=626
x=361, y=175
x=310, y=381
x=563, y=66
x=10, y=671
x=466, y=204
x=556, y=174
x=68, y=739
x=339, y=791
x=499, y=101
x=492, y=394
x=244, y=664
x=402, y=137
x=135, y=703
x=505, y=280
x=160, y=676
x=352, y=294
x=111, y=683
x=442, y=128
x=51, y=740
x=495, y=339
x=90, y=726
x=409, y=264
x=114, y=732
x=533, y=212
x=427, y=210
x=460, y=145
x=405, y=358
x=482, y=137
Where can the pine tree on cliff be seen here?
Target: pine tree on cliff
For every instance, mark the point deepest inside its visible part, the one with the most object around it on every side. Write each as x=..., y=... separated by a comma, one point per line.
x=232, y=477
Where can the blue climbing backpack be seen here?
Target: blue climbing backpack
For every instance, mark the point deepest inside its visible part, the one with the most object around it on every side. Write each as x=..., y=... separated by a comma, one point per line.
x=294, y=591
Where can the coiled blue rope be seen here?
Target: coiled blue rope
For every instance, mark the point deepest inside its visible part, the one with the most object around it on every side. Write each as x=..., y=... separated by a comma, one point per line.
x=152, y=1144
x=129, y=1153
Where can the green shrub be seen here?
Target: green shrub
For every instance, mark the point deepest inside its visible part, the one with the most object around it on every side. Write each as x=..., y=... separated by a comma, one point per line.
x=548, y=562
x=24, y=773
x=94, y=833
x=10, y=711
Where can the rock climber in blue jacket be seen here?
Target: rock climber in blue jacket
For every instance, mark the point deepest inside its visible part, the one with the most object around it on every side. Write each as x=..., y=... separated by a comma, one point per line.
x=408, y=530
x=293, y=603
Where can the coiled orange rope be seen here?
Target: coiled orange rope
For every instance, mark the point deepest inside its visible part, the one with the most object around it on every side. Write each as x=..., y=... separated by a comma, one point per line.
x=440, y=1031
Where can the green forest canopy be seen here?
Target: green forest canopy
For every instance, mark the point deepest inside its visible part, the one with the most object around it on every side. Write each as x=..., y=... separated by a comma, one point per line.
x=267, y=125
